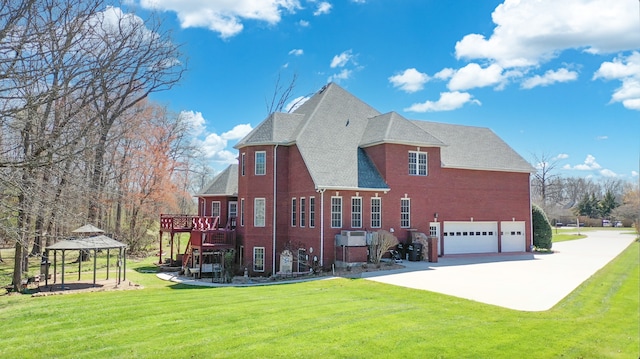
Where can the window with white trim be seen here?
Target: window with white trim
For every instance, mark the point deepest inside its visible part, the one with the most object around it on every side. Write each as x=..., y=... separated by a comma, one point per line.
x=417, y=163
x=356, y=212
x=259, y=206
x=294, y=216
x=261, y=163
x=303, y=211
x=312, y=212
x=336, y=212
x=215, y=209
x=258, y=259
x=242, y=212
x=376, y=212
x=243, y=162
x=405, y=213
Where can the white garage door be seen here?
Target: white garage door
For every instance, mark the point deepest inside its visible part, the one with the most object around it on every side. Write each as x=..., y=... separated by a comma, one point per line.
x=513, y=236
x=470, y=237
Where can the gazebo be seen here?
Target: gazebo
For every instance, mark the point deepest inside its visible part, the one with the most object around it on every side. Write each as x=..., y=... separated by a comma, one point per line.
x=95, y=243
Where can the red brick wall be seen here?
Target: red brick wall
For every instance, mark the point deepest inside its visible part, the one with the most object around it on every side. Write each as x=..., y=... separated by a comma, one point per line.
x=455, y=194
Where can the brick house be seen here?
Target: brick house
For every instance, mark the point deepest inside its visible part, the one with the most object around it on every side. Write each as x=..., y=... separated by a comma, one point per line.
x=336, y=165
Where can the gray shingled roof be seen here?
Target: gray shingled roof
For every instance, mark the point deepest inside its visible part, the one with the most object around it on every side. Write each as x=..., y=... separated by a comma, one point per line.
x=333, y=125
x=97, y=242
x=224, y=184
x=393, y=128
x=476, y=148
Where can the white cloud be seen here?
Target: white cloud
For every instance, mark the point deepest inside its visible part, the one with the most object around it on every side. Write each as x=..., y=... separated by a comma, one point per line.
x=596, y=26
x=323, y=8
x=223, y=17
x=634, y=173
x=345, y=74
x=473, y=75
x=549, y=78
x=238, y=132
x=627, y=70
x=194, y=120
x=342, y=59
x=295, y=103
x=561, y=156
x=411, y=80
x=296, y=52
x=608, y=173
x=448, y=101
x=445, y=74
x=589, y=164
x=216, y=146
x=303, y=23
x=602, y=138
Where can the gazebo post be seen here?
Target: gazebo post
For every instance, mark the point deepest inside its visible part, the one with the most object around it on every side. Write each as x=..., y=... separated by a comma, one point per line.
x=95, y=256
x=63, y=269
x=124, y=264
x=160, y=255
x=79, y=263
x=119, y=264
x=108, y=263
x=55, y=264
x=46, y=271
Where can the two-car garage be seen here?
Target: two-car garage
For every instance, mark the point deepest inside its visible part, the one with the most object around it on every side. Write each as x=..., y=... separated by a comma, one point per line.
x=483, y=237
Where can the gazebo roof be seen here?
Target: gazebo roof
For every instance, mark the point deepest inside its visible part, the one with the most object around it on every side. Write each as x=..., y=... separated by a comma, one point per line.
x=88, y=228
x=96, y=242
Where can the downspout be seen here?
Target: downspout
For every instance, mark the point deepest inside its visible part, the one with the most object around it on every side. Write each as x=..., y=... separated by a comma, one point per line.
x=321, y=227
x=275, y=179
x=530, y=249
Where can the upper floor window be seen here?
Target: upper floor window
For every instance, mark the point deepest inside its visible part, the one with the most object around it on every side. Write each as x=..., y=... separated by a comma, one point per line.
x=417, y=163
x=242, y=212
x=243, y=160
x=261, y=163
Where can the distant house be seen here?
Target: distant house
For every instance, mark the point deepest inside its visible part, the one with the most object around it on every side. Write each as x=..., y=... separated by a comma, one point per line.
x=338, y=166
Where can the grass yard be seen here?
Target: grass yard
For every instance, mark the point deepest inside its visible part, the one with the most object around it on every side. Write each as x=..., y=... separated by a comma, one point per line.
x=339, y=318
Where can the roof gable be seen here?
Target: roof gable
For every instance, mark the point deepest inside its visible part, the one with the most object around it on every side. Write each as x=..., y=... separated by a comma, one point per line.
x=393, y=128
x=476, y=148
x=224, y=184
x=276, y=129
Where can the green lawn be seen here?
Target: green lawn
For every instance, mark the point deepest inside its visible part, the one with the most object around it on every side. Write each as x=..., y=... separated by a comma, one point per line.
x=340, y=318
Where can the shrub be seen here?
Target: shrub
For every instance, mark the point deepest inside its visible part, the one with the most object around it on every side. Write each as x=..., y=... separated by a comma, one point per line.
x=542, y=232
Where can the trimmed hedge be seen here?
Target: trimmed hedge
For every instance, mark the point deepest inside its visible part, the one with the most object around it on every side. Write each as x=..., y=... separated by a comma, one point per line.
x=542, y=232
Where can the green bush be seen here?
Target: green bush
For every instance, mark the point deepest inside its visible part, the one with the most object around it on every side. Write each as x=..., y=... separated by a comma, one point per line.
x=542, y=232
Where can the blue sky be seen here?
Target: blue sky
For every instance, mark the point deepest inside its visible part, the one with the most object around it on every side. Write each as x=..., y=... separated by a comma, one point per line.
x=553, y=78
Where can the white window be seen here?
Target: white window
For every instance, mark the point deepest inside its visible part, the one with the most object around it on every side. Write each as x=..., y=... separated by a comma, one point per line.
x=376, y=212
x=261, y=163
x=242, y=213
x=405, y=213
x=294, y=216
x=417, y=163
x=233, y=213
x=336, y=212
x=303, y=210
x=258, y=259
x=242, y=162
x=259, y=205
x=215, y=209
x=312, y=212
x=356, y=212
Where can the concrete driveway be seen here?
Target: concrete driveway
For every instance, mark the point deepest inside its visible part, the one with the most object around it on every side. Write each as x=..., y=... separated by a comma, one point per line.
x=522, y=281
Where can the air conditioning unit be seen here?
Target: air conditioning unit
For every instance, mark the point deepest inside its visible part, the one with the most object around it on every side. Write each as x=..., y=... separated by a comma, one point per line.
x=351, y=238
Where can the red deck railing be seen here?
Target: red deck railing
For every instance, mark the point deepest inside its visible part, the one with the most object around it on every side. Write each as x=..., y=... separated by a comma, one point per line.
x=187, y=223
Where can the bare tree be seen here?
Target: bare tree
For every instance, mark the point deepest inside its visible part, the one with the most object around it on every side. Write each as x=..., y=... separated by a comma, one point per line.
x=281, y=94
x=544, y=179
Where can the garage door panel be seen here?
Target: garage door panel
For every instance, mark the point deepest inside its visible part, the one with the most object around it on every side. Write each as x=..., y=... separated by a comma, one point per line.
x=470, y=237
x=513, y=236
